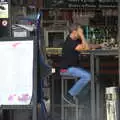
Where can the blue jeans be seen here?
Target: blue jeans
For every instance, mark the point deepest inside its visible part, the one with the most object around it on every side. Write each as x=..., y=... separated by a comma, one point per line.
x=85, y=77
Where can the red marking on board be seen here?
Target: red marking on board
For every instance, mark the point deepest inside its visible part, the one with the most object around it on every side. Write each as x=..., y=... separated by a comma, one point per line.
x=15, y=45
x=24, y=97
x=11, y=97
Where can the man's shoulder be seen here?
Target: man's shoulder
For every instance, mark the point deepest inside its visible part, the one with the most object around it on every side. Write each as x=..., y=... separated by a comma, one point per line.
x=68, y=40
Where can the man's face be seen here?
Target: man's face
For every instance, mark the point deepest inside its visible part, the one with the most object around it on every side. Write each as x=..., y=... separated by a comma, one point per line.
x=75, y=33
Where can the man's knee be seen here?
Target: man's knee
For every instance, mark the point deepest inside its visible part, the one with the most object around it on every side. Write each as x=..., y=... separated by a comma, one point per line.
x=87, y=76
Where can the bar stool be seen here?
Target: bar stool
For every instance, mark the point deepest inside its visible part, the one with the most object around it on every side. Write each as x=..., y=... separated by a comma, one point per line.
x=65, y=76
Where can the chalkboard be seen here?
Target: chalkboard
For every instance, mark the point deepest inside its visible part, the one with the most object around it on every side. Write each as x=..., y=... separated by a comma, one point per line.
x=16, y=67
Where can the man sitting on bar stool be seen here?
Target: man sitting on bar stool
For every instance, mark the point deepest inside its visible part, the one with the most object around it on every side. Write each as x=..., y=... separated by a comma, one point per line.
x=75, y=42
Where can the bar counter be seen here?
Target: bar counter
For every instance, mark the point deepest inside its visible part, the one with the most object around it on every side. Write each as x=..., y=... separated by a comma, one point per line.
x=95, y=83
x=100, y=62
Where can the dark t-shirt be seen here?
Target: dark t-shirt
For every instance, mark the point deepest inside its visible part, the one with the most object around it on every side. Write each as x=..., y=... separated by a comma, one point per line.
x=70, y=57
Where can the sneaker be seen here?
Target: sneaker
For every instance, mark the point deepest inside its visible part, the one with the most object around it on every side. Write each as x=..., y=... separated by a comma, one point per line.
x=69, y=99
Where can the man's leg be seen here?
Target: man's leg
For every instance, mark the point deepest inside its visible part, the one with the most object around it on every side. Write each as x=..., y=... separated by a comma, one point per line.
x=81, y=83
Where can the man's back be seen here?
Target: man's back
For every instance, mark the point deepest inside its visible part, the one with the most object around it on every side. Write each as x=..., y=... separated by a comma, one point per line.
x=69, y=55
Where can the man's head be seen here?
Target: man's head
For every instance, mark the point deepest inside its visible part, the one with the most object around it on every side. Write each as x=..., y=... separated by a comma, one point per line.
x=75, y=30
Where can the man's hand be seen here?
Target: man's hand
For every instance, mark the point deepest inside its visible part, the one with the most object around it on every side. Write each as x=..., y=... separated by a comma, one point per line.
x=104, y=45
x=85, y=45
x=81, y=47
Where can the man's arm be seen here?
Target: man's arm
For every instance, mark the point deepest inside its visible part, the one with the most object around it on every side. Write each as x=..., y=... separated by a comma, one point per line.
x=83, y=46
x=79, y=47
x=83, y=40
x=95, y=46
x=86, y=45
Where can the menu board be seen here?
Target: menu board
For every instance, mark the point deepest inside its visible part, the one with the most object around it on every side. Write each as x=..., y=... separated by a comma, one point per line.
x=76, y=3
x=16, y=66
x=3, y=9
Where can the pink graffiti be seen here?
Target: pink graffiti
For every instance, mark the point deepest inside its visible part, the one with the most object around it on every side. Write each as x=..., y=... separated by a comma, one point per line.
x=11, y=97
x=24, y=97
x=15, y=44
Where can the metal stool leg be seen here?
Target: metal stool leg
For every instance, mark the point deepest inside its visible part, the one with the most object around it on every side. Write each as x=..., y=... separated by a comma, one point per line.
x=64, y=90
x=62, y=101
x=77, y=106
x=77, y=110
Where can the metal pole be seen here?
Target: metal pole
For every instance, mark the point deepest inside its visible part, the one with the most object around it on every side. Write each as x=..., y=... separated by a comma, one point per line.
x=9, y=18
x=35, y=78
x=93, y=110
x=118, y=38
x=97, y=62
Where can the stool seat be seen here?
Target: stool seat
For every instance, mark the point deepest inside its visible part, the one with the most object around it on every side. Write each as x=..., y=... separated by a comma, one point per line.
x=66, y=75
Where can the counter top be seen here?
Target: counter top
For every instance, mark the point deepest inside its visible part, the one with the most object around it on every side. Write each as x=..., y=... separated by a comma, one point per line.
x=101, y=52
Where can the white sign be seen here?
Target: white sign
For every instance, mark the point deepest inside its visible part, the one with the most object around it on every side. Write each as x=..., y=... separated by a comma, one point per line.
x=20, y=33
x=3, y=9
x=16, y=64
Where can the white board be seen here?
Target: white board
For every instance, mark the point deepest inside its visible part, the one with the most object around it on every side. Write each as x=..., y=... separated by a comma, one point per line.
x=16, y=71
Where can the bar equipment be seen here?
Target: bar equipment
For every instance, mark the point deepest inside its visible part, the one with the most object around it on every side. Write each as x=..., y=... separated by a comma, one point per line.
x=112, y=103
